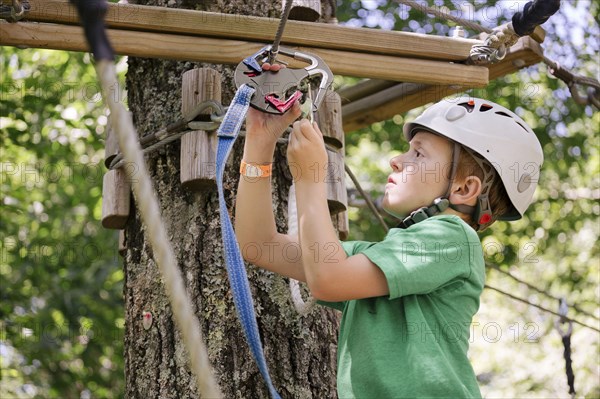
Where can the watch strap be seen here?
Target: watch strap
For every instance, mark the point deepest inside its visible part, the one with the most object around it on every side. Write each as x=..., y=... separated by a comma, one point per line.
x=250, y=169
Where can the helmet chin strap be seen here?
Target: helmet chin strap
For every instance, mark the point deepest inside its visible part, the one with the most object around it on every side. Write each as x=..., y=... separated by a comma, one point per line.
x=482, y=212
x=462, y=208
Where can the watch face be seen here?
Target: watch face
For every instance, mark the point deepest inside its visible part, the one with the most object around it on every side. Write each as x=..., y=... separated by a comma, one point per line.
x=253, y=171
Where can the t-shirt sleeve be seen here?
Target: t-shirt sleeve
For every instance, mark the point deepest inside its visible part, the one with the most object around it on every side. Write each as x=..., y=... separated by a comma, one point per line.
x=351, y=248
x=423, y=258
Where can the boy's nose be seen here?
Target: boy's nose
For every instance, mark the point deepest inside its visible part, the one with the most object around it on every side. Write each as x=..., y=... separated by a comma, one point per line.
x=396, y=163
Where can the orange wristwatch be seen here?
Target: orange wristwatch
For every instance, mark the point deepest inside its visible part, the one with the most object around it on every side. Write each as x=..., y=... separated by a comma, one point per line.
x=255, y=170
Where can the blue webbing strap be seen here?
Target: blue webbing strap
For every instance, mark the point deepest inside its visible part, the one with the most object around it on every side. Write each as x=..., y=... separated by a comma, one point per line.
x=238, y=279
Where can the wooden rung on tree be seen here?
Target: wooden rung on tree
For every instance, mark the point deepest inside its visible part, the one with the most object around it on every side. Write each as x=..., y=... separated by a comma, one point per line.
x=116, y=196
x=340, y=222
x=111, y=145
x=122, y=243
x=337, y=197
x=304, y=10
x=116, y=190
x=329, y=119
x=198, y=163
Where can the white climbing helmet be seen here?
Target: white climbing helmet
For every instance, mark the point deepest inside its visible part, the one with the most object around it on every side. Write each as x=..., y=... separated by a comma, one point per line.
x=494, y=132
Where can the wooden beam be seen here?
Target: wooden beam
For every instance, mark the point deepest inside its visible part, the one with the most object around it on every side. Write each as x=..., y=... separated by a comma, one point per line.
x=363, y=89
x=380, y=99
x=403, y=97
x=221, y=51
x=524, y=53
x=397, y=99
x=258, y=29
x=539, y=34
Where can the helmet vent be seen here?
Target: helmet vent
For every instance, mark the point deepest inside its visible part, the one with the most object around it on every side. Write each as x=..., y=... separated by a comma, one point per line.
x=520, y=124
x=485, y=107
x=469, y=106
x=503, y=114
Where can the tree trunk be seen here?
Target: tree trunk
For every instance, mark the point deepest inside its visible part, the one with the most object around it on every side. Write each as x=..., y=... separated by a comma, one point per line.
x=300, y=350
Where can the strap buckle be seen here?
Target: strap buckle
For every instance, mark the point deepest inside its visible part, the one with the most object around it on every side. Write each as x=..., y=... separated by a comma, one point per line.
x=417, y=216
x=276, y=92
x=439, y=205
x=483, y=211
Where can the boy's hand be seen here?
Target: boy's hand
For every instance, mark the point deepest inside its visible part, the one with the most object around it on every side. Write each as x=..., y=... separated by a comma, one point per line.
x=306, y=152
x=270, y=127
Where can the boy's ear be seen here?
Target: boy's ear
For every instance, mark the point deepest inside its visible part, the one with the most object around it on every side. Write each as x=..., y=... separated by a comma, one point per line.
x=466, y=191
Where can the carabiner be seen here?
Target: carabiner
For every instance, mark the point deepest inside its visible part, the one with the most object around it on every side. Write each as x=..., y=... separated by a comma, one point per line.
x=276, y=92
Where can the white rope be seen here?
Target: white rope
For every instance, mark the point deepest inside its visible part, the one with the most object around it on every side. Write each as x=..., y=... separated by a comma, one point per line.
x=300, y=305
x=495, y=46
x=164, y=256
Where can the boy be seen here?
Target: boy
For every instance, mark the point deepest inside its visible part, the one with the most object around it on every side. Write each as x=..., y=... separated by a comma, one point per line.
x=407, y=301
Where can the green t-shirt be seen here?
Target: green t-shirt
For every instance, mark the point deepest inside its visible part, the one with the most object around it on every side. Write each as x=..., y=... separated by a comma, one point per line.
x=414, y=343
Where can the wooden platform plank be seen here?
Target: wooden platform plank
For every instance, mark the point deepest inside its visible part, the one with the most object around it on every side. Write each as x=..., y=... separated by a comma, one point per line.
x=363, y=89
x=251, y=28
x=221, y=51
x=403, y=97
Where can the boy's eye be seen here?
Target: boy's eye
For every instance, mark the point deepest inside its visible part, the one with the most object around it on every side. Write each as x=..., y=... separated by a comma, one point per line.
x=418, y=153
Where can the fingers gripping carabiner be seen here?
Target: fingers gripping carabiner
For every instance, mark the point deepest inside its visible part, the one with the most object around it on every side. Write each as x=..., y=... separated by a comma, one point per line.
x=276, y=92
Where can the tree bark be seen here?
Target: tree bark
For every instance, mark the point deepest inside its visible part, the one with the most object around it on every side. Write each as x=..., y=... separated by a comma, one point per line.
x=300, y=350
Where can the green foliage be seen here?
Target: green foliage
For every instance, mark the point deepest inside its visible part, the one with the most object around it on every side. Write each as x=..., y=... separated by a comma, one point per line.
x=515, y=349
x=61, y=308
x=61, y=326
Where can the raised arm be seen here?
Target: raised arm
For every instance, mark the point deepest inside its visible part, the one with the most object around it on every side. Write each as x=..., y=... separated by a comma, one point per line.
x=330, y=274
x=255, y=227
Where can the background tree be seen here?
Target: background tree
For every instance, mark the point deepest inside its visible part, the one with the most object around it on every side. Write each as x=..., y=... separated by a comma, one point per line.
x=62, y=317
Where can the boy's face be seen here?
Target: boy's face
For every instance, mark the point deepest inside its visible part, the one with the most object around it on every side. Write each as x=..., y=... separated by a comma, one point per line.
x=418, y=176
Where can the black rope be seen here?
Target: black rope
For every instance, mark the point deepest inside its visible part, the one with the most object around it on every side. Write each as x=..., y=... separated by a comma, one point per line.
x=566, y=340
x=534, y=13
x=565, y=335
x=91, y=13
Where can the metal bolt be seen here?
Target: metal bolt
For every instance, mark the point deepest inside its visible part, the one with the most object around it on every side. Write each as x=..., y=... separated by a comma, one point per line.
x=458, y=32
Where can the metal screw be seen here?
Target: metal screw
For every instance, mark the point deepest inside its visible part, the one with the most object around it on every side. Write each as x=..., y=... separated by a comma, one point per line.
x=458, y=32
